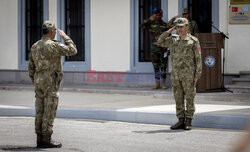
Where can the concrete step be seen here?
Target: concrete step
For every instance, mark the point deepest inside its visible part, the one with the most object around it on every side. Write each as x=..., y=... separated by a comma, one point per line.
x=164, y=94
x=241, y=81
x=244, y=74
x=148, y=115
x=238, y=88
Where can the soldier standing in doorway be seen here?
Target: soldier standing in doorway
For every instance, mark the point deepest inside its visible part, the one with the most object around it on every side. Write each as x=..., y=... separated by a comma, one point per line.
x=185, y=53
x=156, y=27
x=193, y=27
x=45, y=71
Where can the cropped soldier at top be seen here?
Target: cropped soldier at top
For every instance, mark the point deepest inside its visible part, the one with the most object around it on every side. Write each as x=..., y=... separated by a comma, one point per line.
x=45, y=71
x=193, y=27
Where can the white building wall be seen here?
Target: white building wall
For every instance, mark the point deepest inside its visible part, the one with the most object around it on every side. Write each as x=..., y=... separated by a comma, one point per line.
x=237, y=47
x=172, y=8
x=110, y=35
x=172, y=11
x=9, y=34
x=53, y=11
x=53, y=14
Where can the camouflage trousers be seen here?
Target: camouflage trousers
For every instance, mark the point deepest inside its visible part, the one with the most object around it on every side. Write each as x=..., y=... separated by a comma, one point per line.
x=184, y=89
x=160, y=63
x=47, y=95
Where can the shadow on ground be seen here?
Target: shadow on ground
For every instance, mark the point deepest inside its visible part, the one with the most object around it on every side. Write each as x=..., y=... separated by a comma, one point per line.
x=158, y=131
x=20, y=148
x=27, y=148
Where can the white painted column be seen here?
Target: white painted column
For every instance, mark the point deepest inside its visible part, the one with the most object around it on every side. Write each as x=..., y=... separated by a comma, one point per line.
x=9, y=34
x=110, y=35
x=172, y=8
x=53, y=10
x=172, y=11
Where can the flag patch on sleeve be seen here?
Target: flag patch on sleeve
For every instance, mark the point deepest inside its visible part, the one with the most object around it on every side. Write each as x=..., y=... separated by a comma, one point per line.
x=198, y=48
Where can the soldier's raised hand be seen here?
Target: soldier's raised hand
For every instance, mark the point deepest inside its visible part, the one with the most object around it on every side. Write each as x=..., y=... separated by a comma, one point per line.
x=152, y=17
x=61, y=33
x=195, y=81
x=171, y=30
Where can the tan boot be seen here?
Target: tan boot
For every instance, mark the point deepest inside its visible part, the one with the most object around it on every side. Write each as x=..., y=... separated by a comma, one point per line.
x=163, y=84
x=157, y=86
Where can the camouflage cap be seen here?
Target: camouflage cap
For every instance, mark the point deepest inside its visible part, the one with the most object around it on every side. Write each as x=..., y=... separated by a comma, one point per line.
x=158, y=11
x=49, y=25
x=185, y=11
x=181, y=22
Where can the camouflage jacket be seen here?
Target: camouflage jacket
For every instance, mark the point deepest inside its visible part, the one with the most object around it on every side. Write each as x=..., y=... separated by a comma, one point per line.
x=45, y=56
x=156, y=28
x=193, y=28
x=185, y=55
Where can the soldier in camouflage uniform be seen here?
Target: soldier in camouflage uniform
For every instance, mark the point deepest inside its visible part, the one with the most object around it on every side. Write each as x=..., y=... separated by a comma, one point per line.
x=193, y=27
x=186, y=70
x=45, y=71
x=156, y=27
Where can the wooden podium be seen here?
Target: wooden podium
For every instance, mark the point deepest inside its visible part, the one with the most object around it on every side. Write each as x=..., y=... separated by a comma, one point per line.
x=211, y=45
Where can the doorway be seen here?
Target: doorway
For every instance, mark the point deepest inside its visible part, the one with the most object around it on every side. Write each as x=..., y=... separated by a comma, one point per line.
x=201, y=12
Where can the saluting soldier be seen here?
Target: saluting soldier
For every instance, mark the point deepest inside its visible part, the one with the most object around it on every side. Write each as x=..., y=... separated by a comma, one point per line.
x=185, y=53
x=193, y=27
x=156, y=27
x=45, y=71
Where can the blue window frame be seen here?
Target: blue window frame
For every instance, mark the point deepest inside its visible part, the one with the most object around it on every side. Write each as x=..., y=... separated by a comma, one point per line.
x=74, y=18
x=146, y=9
x=137, y=62
x=33, y=23
x=75, y=27
x=31, y=14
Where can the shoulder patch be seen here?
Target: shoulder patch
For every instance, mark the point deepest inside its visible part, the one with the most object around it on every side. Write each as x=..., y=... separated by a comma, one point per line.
x=55, y=40
x=62, y=45
x=193, y=38
x=174, y=35
x=34, y=45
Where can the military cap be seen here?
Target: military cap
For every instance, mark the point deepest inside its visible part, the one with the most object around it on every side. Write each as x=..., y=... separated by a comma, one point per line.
x=185, y=11
x=158, y=11
x=49, y=25
x=181, y=22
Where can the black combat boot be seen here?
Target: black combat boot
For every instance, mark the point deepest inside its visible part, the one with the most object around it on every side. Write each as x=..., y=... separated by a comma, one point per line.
x=39, y=140
x=49, y=143
x=188, y=124
x=179, y=125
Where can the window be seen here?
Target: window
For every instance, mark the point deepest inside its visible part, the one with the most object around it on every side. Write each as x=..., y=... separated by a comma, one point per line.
x=74, y=19
x=75, y=27
x=146, y=9
x=33, y=23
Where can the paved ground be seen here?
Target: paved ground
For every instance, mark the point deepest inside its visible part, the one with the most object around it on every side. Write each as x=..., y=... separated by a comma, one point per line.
x=123, y=101
x=17, y=134
x=215, y=110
